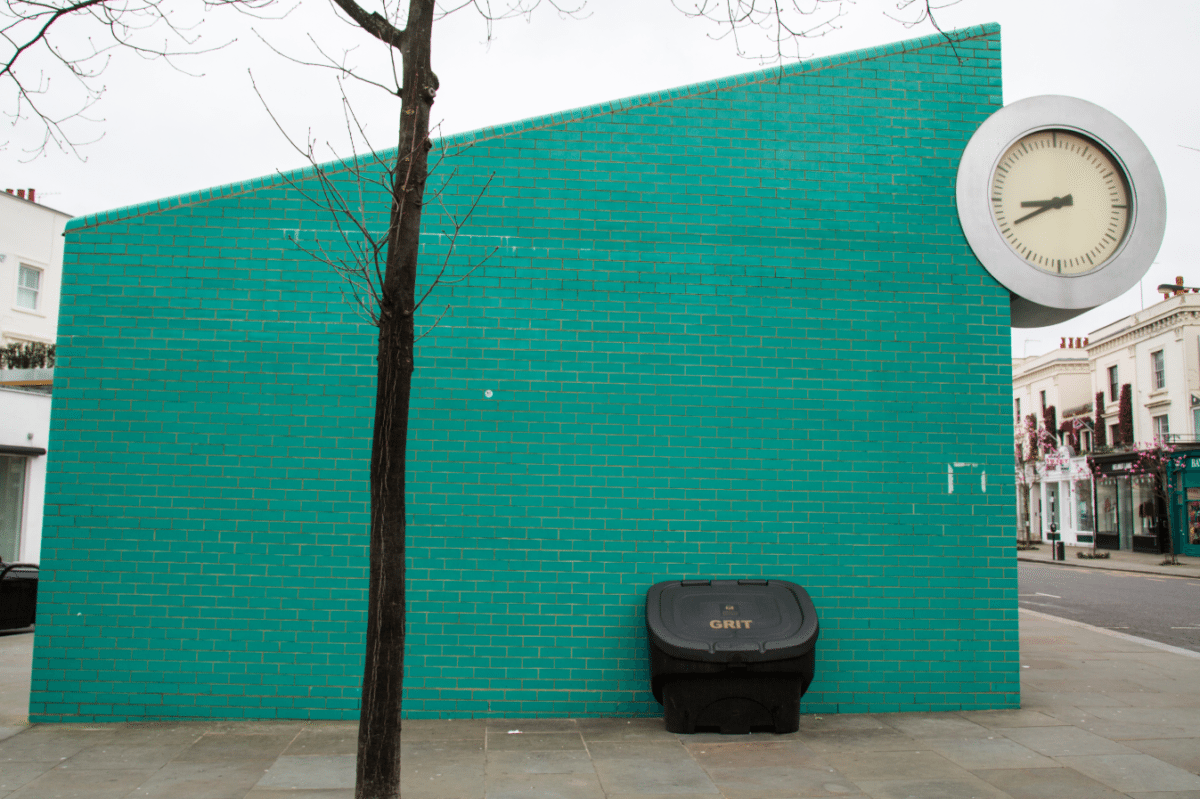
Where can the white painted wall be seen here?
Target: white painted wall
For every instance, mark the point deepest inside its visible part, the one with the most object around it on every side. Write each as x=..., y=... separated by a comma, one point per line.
x=25, y=422
x=1172, y=326
x=30, y=234
x=1062, y=374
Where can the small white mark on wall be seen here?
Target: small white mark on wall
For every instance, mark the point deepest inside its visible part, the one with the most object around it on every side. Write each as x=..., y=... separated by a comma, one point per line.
x=488, y=393
x=950, y=467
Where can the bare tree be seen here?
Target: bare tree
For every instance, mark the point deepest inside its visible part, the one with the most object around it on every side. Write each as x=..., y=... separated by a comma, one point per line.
x=785, y=24
x=381, y=268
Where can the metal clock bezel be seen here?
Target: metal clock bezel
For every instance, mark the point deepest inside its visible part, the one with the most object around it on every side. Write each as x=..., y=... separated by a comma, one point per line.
x=1147, y=222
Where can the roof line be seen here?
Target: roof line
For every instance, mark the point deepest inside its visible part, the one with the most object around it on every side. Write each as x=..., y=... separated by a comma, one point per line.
x=552, y=119
x=38, y=205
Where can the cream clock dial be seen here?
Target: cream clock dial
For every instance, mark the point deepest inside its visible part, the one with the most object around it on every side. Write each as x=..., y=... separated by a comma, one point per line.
x=1062, y=204
x=1061, y=201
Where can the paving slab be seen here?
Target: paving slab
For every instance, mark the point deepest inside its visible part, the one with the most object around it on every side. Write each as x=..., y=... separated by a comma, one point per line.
x=1181, y=752
x=1133, y=772
x=970, y=787
x=632, y=775
x=499, y=763
x=309, y=771
x=64, y=782
x=1104, y=716
x=226, y=780
x=994, y=752
x=781, y=782
x=753, y=754
x=544, y=786
x=1065, y=741
x=1044, y=783
x=908, y=765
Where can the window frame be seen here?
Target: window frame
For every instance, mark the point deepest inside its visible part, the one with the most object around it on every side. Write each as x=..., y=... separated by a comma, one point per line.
x=22, y=268
x=1158, y=370
x=1162, y=427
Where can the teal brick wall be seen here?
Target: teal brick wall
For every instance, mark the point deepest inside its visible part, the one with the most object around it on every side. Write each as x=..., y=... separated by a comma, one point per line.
x=731, y=330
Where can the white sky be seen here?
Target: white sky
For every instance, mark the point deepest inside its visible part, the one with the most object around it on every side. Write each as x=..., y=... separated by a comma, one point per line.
x=165, y=133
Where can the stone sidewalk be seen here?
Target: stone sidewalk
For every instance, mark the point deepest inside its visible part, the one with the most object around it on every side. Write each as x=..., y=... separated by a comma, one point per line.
x=1104, y=715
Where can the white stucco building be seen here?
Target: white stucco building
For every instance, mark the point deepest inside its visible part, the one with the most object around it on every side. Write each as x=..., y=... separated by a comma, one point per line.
x=1048, y=497
x=1156, y=352
x=31, y=254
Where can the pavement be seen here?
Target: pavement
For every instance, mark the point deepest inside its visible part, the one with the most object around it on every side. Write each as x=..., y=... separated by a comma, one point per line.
x=1139, y=562
x=1103, y=715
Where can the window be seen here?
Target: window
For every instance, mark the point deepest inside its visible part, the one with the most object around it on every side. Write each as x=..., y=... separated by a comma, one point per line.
x=1085, y=440
x=1018, y=411
x=1161, y=428
x=1083, y=496
x=29, y=281
x=1043, y=396
x=12, y=502
x=1114, y=435
x=1158, y=370
x=1114, y=387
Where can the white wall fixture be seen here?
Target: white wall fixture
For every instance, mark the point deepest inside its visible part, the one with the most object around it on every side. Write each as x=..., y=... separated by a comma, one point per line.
x=1062, y=203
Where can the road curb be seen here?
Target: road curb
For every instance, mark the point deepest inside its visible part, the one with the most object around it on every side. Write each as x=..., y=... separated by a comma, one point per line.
x=1107, y=568
x=1133, y=639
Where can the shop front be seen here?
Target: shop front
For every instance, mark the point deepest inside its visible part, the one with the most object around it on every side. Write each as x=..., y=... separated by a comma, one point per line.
x=1130, y=510
x=1183, y=475
x=1065, y=494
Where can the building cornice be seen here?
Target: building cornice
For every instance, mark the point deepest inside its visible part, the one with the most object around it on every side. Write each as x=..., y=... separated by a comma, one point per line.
x=1184, y=315
x=1054, y=367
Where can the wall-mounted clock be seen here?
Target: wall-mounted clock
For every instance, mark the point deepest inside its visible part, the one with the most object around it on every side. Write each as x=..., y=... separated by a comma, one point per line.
x=1063, y=205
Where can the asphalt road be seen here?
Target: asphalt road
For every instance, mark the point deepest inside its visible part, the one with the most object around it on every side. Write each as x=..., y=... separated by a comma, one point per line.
x=1163, y=609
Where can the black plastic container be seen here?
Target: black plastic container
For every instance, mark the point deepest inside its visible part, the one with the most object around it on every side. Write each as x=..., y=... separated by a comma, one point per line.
x=18, y=595
x=730, y=656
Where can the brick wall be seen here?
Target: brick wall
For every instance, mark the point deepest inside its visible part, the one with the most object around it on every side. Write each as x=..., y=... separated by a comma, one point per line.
x=731, y=329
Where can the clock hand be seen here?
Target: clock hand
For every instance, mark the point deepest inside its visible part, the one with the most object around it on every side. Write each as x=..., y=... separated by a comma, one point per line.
x=1043, y=206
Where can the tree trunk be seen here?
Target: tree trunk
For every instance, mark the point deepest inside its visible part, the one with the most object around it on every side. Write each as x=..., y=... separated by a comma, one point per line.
x=378, y=763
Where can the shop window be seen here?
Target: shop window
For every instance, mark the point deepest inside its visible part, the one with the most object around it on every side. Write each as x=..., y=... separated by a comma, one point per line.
x=12, y=503
x=1193, y=515
x=1162, y=428
x=1144, y=501
x=1158, y=369
x=1114, y=386
x=1083, y=497
x=29, y=283
x=1107, y=503
x=1054, y=523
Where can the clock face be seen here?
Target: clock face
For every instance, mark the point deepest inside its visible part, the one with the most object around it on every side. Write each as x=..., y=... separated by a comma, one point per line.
x=1061, y=201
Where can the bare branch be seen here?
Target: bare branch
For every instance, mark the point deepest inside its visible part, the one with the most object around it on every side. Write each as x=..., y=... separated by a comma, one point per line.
x=341, y=67
x=374, y=24
x=783, y=23
x=34, y=32
x=926, y=9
